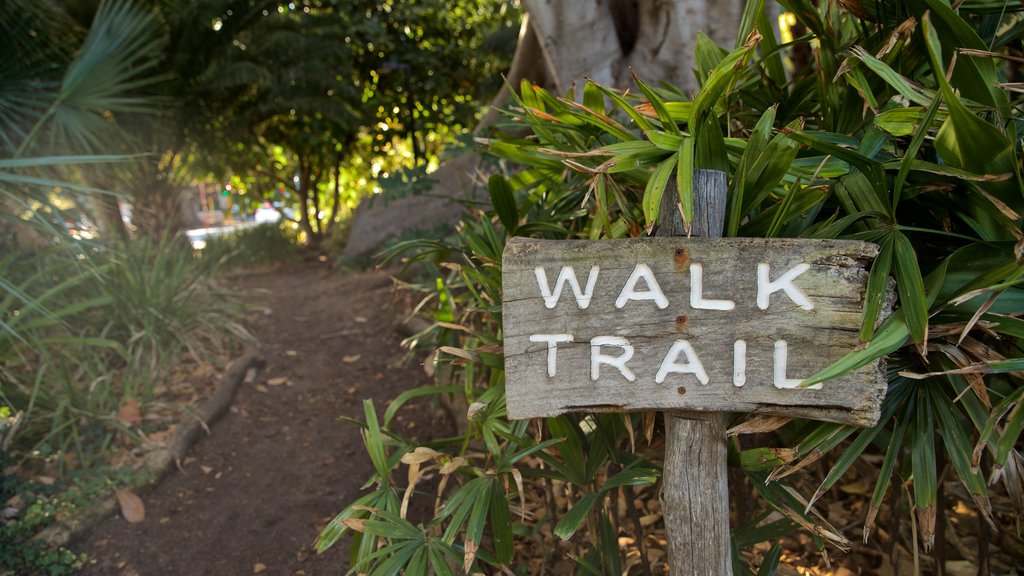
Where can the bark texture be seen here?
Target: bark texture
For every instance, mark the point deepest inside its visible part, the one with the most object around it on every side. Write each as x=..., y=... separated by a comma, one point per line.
x=561, y=44
x=695, y=480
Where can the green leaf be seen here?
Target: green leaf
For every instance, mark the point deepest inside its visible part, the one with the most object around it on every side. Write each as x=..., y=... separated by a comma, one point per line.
x=480, y=506
x=976, y=78
x=571, y=522
x=965, y=140
x=374, y=440
x=770, y=562
x=923, y=465
x=630, y=477
x=504, y=201
x=959, y=447
x=902, y=121
x=910, y=286
x=658, y=104
x=656, y=188
x=877, y=289
x=1011, y=433
x=684, y=179
x=408, y=395
x=336, y=528
x=501, y=527
x=900, y=83
x=592, y=97
x=669, y=142
x=888, y=338
x=895, y=448
x=641, y=122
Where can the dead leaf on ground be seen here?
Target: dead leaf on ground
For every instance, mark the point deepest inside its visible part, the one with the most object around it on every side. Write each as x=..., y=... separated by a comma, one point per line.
x=206, y=469
x=129, y=414
x=132, y=508
x=361, y=320
x=277, y=381
x=261, y=389
x=259, y=568
x=291, y=353
x=348, y=359
x=160, y=436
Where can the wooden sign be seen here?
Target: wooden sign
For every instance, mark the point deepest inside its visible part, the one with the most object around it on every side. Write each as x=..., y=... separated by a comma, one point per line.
x=699, y=324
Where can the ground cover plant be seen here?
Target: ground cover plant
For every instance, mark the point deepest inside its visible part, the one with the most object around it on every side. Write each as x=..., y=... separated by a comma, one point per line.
x=896, y=123
x=92, y=338
x=91, y=324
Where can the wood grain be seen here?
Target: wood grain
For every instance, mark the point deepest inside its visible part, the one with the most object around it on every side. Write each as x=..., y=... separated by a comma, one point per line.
x=695, y=477
x=834, y=283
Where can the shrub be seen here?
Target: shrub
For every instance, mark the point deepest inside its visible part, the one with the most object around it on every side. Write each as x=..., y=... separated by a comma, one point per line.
x=901, y=131
x=250, y=247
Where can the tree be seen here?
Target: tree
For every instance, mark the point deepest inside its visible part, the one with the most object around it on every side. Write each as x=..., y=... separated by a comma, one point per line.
x=563, y=43
x=308, y=83
x=65, y=88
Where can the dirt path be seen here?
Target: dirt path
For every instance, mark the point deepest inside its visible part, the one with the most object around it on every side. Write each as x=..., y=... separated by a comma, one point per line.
x=251, y=497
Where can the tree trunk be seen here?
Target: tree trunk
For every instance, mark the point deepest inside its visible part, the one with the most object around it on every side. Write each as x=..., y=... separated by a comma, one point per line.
x=563, y=43
x=604, y=39
x=303, y=192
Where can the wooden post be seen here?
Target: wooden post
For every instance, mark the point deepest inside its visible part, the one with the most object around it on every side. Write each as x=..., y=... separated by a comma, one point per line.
x=695, y=488
x=694, y=327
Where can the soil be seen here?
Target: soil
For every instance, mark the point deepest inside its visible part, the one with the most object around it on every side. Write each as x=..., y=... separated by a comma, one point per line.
x=252, y=496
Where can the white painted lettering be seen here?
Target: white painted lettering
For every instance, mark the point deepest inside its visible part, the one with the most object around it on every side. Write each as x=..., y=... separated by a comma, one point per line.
x=697, y=299
x=781, y=380
x=552, y=341
x=566, y=274
x=597, y=358
x=692, y=365
x=765, y=286
x=653, y=292
x=739, y=363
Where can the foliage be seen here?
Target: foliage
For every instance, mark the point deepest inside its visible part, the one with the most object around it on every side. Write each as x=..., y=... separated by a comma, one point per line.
x=255, y=246
x=35, y=504
x=324, y=89
x=85, y=328
x=902, y=131
x=101, y=331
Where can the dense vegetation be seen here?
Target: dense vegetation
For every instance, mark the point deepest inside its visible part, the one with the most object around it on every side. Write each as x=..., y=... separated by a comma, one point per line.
x=115, y=103
x=896, y=123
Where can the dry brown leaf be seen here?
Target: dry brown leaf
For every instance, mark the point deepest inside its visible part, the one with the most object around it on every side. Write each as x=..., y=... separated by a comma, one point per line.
x=291, y=353
x=277, y=381
x=259, y=568
x=206, y=469
x=132, y=508
x=160, y=436
x=469, y=355
x=861, y=486
x=129, y=414
x=453, y=465
x=649, y=519
x=350, y=358
x=361, y=320
x=759, y=425
x=419, y=455
x=357, y=524
x=262, y=389
x=470, y=554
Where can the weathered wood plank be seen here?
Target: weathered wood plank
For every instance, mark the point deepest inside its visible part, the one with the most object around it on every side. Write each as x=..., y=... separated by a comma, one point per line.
x=654, y=319
x=695, y=486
